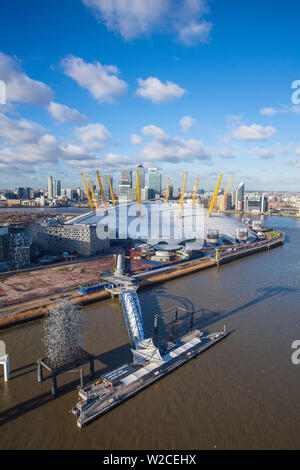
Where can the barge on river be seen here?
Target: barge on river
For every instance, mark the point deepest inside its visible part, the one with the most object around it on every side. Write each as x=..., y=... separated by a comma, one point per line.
x=150, y=365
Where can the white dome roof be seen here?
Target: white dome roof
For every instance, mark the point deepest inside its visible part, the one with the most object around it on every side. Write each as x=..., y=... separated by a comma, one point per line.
x=160, y=223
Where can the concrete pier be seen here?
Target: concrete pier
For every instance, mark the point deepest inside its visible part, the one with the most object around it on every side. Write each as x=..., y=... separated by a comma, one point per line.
x=4, y=360
x=53, y=384
x=156, y=322
x=6, y=364
x=40, y=372
x=55, y=370
x=81, y=378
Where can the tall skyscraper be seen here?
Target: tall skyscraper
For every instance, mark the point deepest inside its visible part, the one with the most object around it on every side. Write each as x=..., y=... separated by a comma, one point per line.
x=239, y=200
x=50, y=187
x=141, y=173
x=58, y=187
x=54, y=188
x=126, y=179
x=154, y=182
x=105, y=185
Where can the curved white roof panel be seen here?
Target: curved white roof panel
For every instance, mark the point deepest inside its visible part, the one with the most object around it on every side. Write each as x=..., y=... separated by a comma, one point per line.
x=159, y=224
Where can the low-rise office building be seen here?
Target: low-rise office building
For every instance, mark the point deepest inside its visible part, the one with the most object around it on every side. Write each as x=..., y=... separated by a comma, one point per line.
x=56, y=237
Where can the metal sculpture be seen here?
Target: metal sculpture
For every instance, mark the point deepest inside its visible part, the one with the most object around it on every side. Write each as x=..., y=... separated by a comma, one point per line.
x=63, y=334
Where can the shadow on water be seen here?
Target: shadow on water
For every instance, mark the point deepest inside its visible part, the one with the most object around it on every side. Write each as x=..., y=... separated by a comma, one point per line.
x=165, y=305
x=208, y=317
x=13, y=377
x=204, y=316
x=111, y=359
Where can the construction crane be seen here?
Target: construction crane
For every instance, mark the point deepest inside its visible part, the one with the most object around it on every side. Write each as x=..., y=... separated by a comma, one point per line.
x=182, y=195
x=225, y=195
x=195, y=192
x=138, y=193
x=111, y=192
x=212, y=204
x=102, y=193
x=167, y=191
x=87, y=193
x=92, y=192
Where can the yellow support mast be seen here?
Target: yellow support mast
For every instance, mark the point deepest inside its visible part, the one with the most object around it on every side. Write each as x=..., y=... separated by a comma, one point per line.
x=111, y=192
x=195, y=192
x=167, y=191
x=102, y=193
x=225, y=195
x=87, y=193
x=182, y=195
x=212, y=204
x=92, y=191
x=138, y=192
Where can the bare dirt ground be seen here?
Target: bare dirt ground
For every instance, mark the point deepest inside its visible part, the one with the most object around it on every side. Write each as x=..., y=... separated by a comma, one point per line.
x=32, y=285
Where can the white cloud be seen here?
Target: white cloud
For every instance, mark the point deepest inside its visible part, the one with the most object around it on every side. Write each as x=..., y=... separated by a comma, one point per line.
x=24, y=144
x=264, y=154
x=171, y=149
x=136, y=139
x=92, y=136
x=71, y=151
x=282, y=110
x=269, y=111
x=254, y=132
x=19, y=87
x=292, y=161
x=155, y=133
x=18, y=132
x=63, y=113
x=131, y=18
x=226, y=154
x=187, y=122
x=135, y=18
x=194, y=33
x=113, y=160
x=100, y=80
x=295, y=109
x=156, y=91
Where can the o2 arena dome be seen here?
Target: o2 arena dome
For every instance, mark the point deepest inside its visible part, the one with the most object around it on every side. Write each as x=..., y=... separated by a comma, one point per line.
x=164, y=225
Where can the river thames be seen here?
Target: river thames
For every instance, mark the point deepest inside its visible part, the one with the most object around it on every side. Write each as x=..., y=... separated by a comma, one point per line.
x=244, y=393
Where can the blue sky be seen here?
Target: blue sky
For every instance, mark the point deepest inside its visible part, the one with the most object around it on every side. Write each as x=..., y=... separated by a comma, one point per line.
x=192, y=84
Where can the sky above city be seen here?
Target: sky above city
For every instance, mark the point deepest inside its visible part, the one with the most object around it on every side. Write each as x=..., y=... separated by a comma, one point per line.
x=202, y=85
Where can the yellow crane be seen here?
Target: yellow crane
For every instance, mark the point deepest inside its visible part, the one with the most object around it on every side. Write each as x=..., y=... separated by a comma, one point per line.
x=182, y=195
x=138, y=192
x=167, y=191
x=212, y=204
x=87, y=192
x=92, y=191
x=102, y=193
x=195, y=192
x=111, y=192
x=224, y=197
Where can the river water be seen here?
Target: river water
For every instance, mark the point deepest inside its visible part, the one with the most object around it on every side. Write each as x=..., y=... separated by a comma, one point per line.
x=244, y=393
